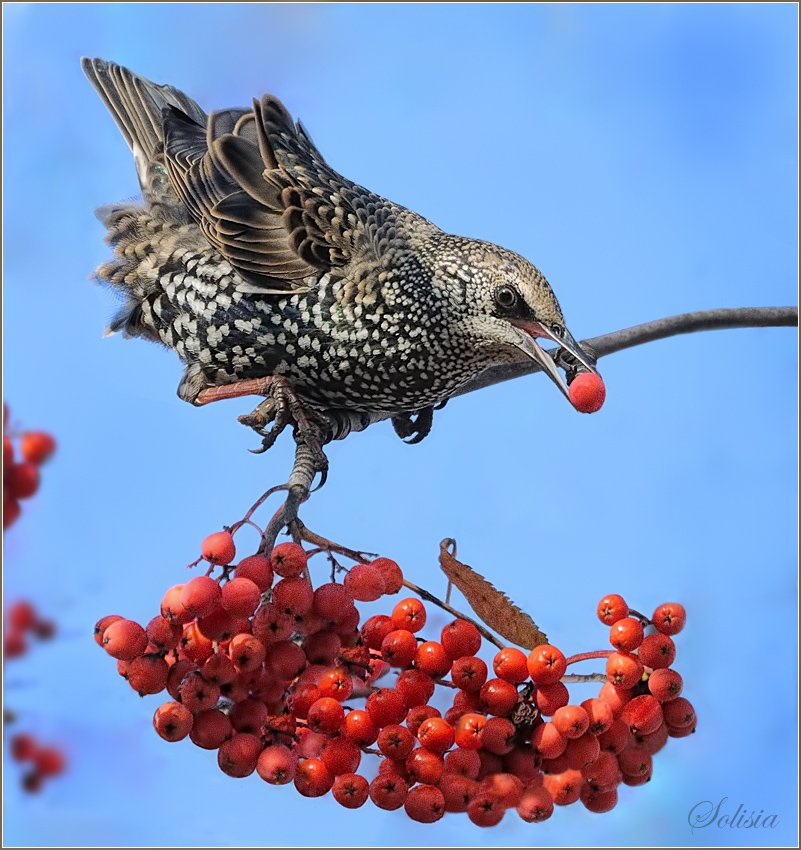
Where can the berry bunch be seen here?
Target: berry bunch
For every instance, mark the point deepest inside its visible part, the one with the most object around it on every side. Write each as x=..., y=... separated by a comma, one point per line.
x=21, y=476
x=22, y=620
x=45, y=762
x=279, y=678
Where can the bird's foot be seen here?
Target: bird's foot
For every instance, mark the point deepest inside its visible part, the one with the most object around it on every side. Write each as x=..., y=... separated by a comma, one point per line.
x=416, y=426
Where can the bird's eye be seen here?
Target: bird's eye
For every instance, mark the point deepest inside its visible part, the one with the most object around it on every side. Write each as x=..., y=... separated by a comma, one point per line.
x=506, y=297
x=558, y=330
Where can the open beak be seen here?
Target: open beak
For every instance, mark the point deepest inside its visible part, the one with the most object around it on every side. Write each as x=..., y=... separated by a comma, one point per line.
x=530, y=331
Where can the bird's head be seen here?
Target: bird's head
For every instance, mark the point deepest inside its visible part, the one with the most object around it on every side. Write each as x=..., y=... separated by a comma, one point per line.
x=506, y=304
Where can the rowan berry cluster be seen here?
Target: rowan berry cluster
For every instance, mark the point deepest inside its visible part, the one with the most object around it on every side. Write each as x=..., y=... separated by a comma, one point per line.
x=278, y=676
x=21, y=472
x=22, y=621
x=45, y=762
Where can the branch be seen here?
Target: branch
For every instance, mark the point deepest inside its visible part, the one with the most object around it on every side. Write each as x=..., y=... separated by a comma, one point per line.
x=684, y=323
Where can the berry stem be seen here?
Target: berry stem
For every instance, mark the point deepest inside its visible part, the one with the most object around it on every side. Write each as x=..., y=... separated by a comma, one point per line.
x=572, y=678
x=586, y=656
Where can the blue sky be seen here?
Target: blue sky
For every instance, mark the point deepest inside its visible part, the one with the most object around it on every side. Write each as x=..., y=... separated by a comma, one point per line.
x=645, y=157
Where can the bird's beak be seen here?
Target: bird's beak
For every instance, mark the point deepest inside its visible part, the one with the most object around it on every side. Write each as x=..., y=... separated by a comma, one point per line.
x=529, y=332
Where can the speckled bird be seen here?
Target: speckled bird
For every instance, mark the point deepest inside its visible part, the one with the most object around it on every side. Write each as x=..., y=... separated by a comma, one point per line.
x=251, y=257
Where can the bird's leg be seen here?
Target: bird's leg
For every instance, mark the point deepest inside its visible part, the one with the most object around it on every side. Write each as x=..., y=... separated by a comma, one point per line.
x=416, y=426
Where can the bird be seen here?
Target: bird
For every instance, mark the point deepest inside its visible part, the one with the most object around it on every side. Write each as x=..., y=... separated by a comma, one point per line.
x=260, y=265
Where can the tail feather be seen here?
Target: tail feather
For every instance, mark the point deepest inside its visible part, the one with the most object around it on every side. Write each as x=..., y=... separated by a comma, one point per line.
x=136, y=104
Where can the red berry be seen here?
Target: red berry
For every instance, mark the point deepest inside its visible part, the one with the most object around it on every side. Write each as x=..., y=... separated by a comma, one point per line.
x=23, y=747
x=601, y=774
x=359, y=727
x=432, y=659
x=418, y=714
x=201, y=595
x=22, y=480
x=219, y=548
x=582, y=752
x=336, y=683
x=546, y=665
x=293, y=596
x=240, y=597
x=409, y=614
x=270, y=625
x=458, y=791
x=505, y=786
x=498, y=736
x=598, y=801
x=415, y=686
x=396, y=741
x=277, y=765
x=172, y=608
x=11, y=509
x=340, y=755
x=616, y=738
x=49, y=761
x=124, y=640
x=258, y=569
x=665, y=684
x=386, y=706
x=37, y=446
x=399, y=648
x=285, y=660
x=424, y=766
x=322, y=648
x=485, y=809
x=364, y=582
x=388, y=791
x=548, y=741
x=162, y=633
x=436, y=734
x=599, y=713
x=197, y=694
x=14, y=644
x=239, y=754
x=173, y=721
x=210, y=728
x=612, y=608
x=669, y=619
x=425, y=804
x=643, y=714
x=288, y=560
x=623, y=670
x=536, y=805
x=551, y=697
x=22, y=616
x=524, y=762
x=679, y=714
x=313, y=778
x=571, y=721
x=468, y=730
x=194, y=645
x=657, y=651
x=326, y=716
x=375, y=629
x=469, y=673
x=248, y=715
x=510, y=665
x=460, y=638
x=350, y=790
x=391, y=573
x=626, y=634
x=463, y=762
x=587, y=392
x=147, y=674
x=498, y=697
x=565, y=787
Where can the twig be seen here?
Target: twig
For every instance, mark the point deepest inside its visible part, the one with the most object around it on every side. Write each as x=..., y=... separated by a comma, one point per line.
x=429, y=597
x=583, y=677
x=683, y=323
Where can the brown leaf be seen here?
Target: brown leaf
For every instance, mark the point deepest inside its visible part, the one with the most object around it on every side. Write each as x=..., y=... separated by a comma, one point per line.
x=492, y=605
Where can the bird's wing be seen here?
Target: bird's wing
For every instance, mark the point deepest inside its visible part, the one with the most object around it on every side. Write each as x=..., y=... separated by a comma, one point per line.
x=269, y=202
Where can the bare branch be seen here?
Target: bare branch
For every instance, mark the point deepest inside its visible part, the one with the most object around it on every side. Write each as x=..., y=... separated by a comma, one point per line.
x=684, y=323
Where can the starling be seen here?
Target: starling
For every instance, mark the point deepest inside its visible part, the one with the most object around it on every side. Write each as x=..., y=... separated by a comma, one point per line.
x=253, y=259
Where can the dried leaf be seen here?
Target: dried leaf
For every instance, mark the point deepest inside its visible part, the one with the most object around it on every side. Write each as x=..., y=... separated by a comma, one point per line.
x=492, y=605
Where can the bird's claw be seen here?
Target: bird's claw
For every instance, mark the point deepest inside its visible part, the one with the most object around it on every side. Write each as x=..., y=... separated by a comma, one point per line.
x=416, y=426
x=281, y=407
